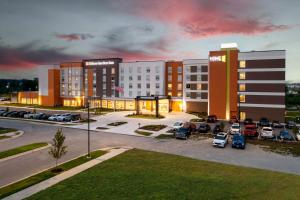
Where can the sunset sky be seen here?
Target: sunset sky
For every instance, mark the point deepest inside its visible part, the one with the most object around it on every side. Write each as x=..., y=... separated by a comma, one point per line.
x=35, y=32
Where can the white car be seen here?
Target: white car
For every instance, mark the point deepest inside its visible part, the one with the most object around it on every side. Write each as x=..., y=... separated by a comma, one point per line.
x=298, y=135
x=266, y=132
x=62, y=117
x=177, y=125
x=220, y=140
x=235, y=128
x=29, y=116
x=54, y=117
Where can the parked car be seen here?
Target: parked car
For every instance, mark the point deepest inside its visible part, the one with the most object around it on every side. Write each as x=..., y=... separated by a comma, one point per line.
x=238, y=141
x=264, y=122
x=54, y=117
x=277, y=124
x=220, y=140
x=190, y=126
x=63, y=117
x=290, y=124
x=2, y=111
x=75, y=117
x=211, y=119
x=217, y=129
x=182, y=133
x=29, y=116
x=10, y=114
x=250, y=130
x=234, y=119
x=37, y=115
x=177, y=125
x=21, y=114
x=44, y=116
x=204, y=128
x=235, y=128
x=267, y=132
x=248, y=121
x=284, y=135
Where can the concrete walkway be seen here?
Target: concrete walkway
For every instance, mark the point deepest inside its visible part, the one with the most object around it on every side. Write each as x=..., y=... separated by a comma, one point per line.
x=65, y=175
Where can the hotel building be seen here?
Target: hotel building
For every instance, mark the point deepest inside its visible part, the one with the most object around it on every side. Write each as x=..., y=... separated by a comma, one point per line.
x=227, y=83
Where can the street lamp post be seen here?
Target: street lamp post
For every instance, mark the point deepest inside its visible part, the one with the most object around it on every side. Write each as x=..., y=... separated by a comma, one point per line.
x=89, y=145
x=239, y=110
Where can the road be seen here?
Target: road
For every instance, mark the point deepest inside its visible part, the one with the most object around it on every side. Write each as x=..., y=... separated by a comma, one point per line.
x=21, y=167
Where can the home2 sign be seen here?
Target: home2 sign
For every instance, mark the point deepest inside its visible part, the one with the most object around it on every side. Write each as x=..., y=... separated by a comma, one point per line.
x=217, y=58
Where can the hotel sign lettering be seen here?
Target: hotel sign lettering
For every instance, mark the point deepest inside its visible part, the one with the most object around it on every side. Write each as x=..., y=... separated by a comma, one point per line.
x=217, y=58
x=88, y=63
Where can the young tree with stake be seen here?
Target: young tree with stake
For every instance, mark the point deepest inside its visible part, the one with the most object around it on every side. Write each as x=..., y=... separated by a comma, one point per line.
x=58, y=149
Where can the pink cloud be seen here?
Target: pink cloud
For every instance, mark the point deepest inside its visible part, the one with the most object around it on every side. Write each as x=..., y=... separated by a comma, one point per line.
x=74, y=36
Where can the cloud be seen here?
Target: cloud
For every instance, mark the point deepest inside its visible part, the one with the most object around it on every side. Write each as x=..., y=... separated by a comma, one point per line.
x=30, y=55
x=206, y=18
x=74, y=36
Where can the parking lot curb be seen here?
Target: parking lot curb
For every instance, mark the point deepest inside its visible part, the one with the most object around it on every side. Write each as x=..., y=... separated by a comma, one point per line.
x=13, y=136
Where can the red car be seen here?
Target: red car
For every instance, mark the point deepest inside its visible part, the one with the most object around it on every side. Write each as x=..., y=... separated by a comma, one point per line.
x=250, y=130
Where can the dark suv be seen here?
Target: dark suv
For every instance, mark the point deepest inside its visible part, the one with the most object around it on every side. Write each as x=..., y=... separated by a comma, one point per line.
x=211, y=119
x=264, y=122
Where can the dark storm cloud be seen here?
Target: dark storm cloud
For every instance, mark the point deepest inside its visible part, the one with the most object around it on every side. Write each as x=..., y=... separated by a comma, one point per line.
x=74, y=36
x=30, y=55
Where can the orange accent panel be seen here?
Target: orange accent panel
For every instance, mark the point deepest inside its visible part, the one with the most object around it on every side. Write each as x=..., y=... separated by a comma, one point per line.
x=71, y=64
x=233, y=82
x=174, y=82
x=217, y=86
x=90, y=82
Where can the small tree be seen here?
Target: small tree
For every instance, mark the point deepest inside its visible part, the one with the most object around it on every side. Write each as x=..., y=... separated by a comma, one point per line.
x=222, y=125
x=58, y=148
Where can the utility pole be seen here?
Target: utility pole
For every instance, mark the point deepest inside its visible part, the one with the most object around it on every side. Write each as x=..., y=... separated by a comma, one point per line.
x=89, y=145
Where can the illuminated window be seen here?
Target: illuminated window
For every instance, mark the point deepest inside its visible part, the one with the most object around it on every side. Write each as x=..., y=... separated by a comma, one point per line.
x=113, y=71
x=242, y=98
x=242, y=115
x=242, y=75
x=179, y=87
x=199, y=86
x=179, y=94
x=170, y=86
x=242, y=87
x=170, y=93
x=242, y=64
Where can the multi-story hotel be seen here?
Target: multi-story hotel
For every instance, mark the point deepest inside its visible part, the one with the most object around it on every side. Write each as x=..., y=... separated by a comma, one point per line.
x=227, y=83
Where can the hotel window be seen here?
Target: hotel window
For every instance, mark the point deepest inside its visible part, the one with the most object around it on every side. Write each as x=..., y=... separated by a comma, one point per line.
x=242, y=87
x=157, y=77
x=157, y=85
x=139, y=85
x=179, y=69
x=148, y=77
x=179, y=94
x=112, y=79
x=188, y=78
x=242, y=75
x=157, y=69
x=242, y=115
x=169, y=86
x=139, y=69
x=188, y=94
x=242, y=98
x=169, y=77
x=113, y=70
x=130, y=78
x=104, y=70
x=199, y=86
x=179, y=78
x=139, y=77
x=169, y=93
x=188, y=86
x=104, y=86
x=139, y=93
x=170, y=70
x=148, y=93
x=76, y=85
x=130, y=85
x=148, y=85
x=104, y=78
x=242, y=64
x=148, y=69
x=179, y=86
x=198, y=94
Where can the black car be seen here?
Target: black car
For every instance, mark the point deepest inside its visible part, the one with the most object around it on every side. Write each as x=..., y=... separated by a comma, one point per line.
x=9, y=114
x=248, y=121
x=285, y=135
x=290, y=124
x=44, y=116
x=4, y=113
x=21, y=114
x=182, y=133
x=264, y=122
x=203, y=128
x=277, y=124
x=211, y=119
x=217, y=129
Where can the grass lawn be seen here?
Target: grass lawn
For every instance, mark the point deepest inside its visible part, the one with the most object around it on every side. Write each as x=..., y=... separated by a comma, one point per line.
x=293, y=113
x=116, y=123
x=138, y=174
x=153, y=127
x=21, y=149
x=145, y=116
x=6, y=130
x=2, y=137
x=145, y=133
x=284, y=148
x=164, y=136
x=15, y=187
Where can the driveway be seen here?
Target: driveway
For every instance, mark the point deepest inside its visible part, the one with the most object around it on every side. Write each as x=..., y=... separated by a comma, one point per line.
x=76, y=139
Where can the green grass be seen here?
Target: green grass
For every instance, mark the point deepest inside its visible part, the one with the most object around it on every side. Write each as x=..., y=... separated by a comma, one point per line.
x=116, y=123
x=15, y=187
x=293, y=113
x=145, y=133
x=138, y=174
x=164, y=136
x=2, y=137
x=6, y=130
x=86, y=120
x=284, y=148
x=145, y=116
x=197, y=120
x=153, y=127
x=21, y=149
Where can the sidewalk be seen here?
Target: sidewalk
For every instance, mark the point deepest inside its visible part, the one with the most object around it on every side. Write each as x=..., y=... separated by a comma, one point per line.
x=65, y=175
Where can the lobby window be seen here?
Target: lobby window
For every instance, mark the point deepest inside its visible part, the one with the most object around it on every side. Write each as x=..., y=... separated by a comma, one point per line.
x=170, y=70
x=199, y=86
x=242, y=98
x=179, y=86
x=157, y=85
x=139, y=77
x=242, y=75
x=179, y=69
x=169, y=86
x=113, y=70
x=242, y=64
x=157, y=77
x=170, y=78
x=148, y=85
x=242, y=87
